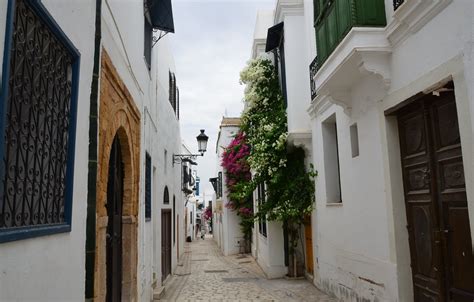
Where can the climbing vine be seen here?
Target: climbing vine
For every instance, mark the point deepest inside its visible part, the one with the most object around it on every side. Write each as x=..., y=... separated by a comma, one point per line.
x=289, y=185
x=238, y=176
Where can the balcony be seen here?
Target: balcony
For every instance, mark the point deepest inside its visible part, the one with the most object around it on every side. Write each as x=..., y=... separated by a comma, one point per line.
x=335, y=18
x=351, y=44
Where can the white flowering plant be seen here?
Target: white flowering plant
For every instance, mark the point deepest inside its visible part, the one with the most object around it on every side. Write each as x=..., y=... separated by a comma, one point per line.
x=289, y=185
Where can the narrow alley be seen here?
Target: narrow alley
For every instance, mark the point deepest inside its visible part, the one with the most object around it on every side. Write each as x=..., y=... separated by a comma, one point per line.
x=204, y=274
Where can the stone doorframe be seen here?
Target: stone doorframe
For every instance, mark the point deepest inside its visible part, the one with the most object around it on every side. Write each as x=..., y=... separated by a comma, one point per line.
x=118, y=115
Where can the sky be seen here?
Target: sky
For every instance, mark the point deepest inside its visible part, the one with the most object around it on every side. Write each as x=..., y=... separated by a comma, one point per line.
x=211, y=45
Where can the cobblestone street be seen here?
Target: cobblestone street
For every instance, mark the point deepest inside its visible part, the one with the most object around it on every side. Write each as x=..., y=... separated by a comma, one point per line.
x=204, y=274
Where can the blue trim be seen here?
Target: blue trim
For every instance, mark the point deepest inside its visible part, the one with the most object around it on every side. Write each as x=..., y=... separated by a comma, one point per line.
x=5, y=77
x=12, y=234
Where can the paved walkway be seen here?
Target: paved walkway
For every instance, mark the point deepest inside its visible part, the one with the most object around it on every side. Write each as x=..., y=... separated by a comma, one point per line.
x=204, y=274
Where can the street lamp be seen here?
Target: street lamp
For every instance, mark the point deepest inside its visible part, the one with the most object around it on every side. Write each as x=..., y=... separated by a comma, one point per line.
x=202, y=147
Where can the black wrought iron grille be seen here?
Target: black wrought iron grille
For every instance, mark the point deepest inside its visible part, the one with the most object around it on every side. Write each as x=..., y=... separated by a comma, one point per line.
x=397, y=3
x=313, y=69
x=32, y=191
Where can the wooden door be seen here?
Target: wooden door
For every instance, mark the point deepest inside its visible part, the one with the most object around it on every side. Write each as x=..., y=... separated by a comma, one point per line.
x=436, y=202
x=114, y=226
x=165, y=244
x=308, y=235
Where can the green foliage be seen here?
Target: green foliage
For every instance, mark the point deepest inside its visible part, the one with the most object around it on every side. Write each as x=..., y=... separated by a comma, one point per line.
x=290, y=188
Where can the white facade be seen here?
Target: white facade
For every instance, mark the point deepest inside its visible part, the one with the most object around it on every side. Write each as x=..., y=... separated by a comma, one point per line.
x=361, y=244
x=226, y=224
x=50, y=268
x=267, y=249
x=160, y=136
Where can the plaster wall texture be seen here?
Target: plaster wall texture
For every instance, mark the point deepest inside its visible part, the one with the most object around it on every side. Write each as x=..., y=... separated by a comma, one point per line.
x=296, y=70
x=57, y=260
x=231, y=233
x=361, y=245
x=150, y=91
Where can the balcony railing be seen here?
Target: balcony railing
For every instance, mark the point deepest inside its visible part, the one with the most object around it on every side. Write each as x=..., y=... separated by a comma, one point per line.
x=313, y=69
x=335, y=18
x=397, y=3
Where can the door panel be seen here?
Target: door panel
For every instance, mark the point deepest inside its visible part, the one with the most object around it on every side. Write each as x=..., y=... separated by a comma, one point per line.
x=308, y=234
x=436, y=200
x=452, y=197
x=420, y=205
x=165, y=244
x=114, y=226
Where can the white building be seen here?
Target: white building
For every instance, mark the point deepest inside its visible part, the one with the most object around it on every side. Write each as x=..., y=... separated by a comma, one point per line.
x=226, y=226
x=268, y=240
x=125, y=190
x=392, y=135
x=42, y=251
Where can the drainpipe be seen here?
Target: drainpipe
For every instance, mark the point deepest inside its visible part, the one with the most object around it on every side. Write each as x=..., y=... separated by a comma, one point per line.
x=92, y=163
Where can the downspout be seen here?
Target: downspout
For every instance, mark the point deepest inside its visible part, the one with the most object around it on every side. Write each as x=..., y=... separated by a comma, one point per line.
x=92, y=163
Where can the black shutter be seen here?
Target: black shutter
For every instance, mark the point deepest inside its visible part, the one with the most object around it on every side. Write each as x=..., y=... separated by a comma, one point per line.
x=148, y=188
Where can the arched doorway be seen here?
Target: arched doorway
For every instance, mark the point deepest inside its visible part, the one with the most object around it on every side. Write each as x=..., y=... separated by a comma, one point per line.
x=166, y=237
x=114, y=228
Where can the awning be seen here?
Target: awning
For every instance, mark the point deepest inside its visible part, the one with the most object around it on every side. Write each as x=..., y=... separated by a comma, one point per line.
x=161, y=15
x=274, y=37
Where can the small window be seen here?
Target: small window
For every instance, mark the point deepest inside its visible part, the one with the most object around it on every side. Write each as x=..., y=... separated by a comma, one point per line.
x=173, y=91
x=165, y=160
x=166, y=196
x=147, y=187
x=354, y=140
x=331, y=160
x=148, y=42
x=219, y=185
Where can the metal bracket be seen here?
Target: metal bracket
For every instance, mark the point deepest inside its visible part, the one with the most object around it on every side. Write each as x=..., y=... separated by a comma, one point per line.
x=179, y=158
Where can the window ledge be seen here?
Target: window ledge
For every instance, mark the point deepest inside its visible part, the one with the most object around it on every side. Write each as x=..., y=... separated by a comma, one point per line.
x=411, y=16
x=334, y=204
x=20, y=233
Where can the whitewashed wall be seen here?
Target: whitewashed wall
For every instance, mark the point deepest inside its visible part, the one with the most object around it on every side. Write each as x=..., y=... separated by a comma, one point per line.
x=123, y=39
x=51, y=268
x=361, y=245
x=230, y=233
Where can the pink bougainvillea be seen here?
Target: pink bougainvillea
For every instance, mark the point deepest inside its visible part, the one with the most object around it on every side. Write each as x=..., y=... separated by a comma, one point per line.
x=238, y=176
x=207, y=213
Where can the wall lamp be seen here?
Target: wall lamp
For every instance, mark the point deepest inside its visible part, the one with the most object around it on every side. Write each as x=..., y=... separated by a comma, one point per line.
x=202, y=147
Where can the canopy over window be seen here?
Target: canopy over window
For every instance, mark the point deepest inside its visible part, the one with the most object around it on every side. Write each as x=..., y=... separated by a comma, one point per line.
x=160, y=13
x=274, y=37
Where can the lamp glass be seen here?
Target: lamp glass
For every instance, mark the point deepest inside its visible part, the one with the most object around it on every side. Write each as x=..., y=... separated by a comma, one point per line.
x=202, y=141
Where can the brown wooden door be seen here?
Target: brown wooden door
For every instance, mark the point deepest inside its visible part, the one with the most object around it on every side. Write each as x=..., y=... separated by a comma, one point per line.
x=114, y=226
x=436, y=202
x=165, y=244
x=308, y=234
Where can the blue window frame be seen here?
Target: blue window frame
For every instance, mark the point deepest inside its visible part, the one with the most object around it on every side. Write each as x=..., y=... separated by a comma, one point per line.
x=38, y=108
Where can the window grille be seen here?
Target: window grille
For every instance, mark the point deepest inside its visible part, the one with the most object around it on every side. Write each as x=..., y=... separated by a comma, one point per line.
x=148, y=188
x=397, y=3
x=37, y=124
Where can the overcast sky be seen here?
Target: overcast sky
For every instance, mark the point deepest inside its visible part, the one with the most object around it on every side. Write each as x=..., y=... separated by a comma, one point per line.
x=211, y=45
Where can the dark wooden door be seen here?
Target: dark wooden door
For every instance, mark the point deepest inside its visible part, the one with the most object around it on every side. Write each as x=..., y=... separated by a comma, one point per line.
x=436, y=202
x=114, y=227
x=165, y=244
